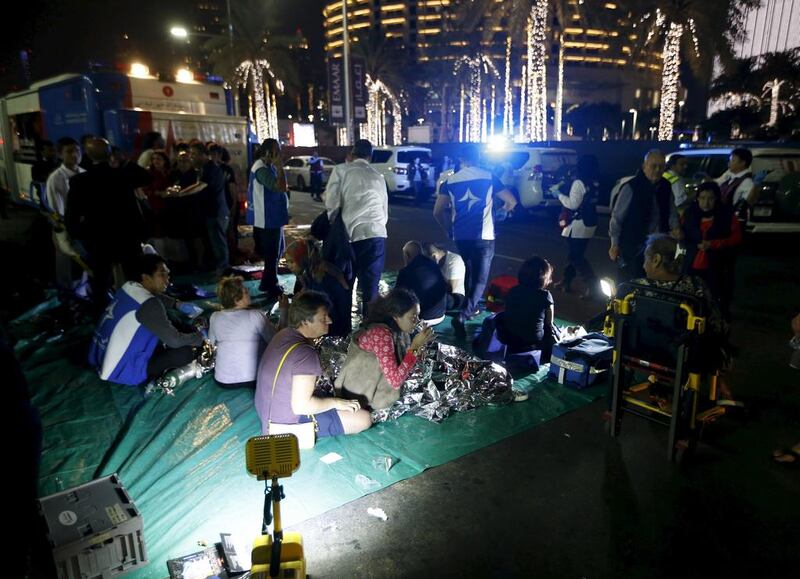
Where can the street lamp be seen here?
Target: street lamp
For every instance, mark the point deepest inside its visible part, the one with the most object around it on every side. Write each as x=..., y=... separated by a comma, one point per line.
x=179, y=32
x=633, y=126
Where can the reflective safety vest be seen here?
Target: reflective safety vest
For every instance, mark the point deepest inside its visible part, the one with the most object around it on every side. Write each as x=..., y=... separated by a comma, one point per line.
x=671, y=177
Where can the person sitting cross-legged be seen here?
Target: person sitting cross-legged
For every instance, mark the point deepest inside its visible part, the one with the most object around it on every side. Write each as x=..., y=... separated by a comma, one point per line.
x=135, y=340
x=289, y=370
x=453, y=270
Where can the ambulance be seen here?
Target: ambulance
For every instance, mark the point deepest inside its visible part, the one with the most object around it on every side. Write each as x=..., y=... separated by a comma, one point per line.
x=119, y=107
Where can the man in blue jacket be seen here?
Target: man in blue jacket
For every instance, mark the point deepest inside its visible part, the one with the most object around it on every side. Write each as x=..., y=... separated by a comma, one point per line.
x=135, y=340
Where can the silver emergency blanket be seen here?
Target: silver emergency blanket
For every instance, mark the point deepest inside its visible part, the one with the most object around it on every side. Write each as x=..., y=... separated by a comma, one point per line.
x=446, y=379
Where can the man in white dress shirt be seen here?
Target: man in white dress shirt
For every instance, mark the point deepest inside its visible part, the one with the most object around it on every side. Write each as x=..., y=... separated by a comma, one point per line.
x=360, y=192
x=56, y=192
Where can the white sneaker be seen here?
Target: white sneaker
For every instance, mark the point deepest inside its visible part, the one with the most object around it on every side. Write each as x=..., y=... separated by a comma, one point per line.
x=519, y=395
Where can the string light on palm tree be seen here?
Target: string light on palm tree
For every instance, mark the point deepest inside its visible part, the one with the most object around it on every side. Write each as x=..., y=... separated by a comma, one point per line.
x=378, y=94
x=537, y=73
x=772, y=88
x=559, y=93
x=508, y=96
x=522, y=104
x=476, y=68
x=673, y=32
x=259, y=75
x=461, y=116
x=493, y=112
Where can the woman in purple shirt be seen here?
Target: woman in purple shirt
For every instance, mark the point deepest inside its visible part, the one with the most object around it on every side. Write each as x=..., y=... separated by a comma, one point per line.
x=290, y=398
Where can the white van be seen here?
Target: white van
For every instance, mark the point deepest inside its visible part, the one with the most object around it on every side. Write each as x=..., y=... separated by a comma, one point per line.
x=393, y=162
x=531, y=173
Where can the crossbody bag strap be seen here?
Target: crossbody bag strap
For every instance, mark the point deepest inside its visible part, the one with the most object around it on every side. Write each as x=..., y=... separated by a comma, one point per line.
x=275, y=380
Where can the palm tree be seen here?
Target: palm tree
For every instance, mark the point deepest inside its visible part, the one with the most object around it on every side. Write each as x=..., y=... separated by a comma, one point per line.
x=779, y=70
x=384, y=65
x=699, y=28
x=472, y=72
x=259, y=59
x=736, y=85
x=528, y=20
x=522, y=19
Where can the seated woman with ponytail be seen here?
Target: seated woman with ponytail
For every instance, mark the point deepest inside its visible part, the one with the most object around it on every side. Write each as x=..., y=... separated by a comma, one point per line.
x=663, y=264
x=304, y=260
x=382, y=354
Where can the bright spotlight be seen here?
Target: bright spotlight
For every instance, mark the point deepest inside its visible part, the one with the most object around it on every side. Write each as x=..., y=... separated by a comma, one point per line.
x=178, y=32
x=497, y=143
x=184, y=75
x=140, y=70
x=608, y=287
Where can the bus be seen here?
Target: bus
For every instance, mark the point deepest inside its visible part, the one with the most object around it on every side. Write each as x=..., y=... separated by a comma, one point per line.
x=119, y=107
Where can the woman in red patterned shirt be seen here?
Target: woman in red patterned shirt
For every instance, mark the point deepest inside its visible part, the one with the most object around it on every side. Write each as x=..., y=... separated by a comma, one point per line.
x=382, y=354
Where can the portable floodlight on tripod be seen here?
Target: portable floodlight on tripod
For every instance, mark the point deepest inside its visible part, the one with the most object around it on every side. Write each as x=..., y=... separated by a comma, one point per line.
x=270, y=458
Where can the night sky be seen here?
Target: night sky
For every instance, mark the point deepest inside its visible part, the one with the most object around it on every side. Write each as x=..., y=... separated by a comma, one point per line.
x=64, y=36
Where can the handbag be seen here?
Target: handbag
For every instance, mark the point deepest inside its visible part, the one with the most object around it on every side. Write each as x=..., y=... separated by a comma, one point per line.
x=306, y=432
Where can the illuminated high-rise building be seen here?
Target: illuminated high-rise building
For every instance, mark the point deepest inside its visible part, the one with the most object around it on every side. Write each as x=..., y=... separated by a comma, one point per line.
x=601, y=61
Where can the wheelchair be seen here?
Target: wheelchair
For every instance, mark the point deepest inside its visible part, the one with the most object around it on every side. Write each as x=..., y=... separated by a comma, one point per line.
x=659, y=369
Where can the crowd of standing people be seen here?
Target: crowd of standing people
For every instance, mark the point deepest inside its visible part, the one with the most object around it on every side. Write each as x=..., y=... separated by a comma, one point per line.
x=104, y=207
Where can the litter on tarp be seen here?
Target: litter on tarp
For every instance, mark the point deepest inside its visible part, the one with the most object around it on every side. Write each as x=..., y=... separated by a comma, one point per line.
x=384, y=462
x=378, y=513
x=331, y=457
x=367, y=483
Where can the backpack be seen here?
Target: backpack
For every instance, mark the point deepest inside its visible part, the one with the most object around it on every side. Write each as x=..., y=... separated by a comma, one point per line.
x=497, y=290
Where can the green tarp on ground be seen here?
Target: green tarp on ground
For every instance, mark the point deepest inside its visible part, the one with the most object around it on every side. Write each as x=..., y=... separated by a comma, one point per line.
x=182, y=457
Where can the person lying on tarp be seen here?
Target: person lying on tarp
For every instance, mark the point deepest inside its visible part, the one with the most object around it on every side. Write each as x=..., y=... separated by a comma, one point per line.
x=527, y=322
x=381, y=354
x=135, y=340
x=663, y=263
x=289, y=370
x=304, y=259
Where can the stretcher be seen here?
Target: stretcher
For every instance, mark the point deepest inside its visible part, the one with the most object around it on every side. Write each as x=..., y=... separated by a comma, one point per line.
x=659, y=370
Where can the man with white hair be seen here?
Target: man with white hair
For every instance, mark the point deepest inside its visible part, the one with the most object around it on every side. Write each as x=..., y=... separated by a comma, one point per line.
x=644, y=206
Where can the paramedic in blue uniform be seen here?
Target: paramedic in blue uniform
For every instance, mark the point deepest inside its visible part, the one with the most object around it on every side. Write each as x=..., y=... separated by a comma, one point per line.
x=268, y=212
x=464, y=210
x=135, y=340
